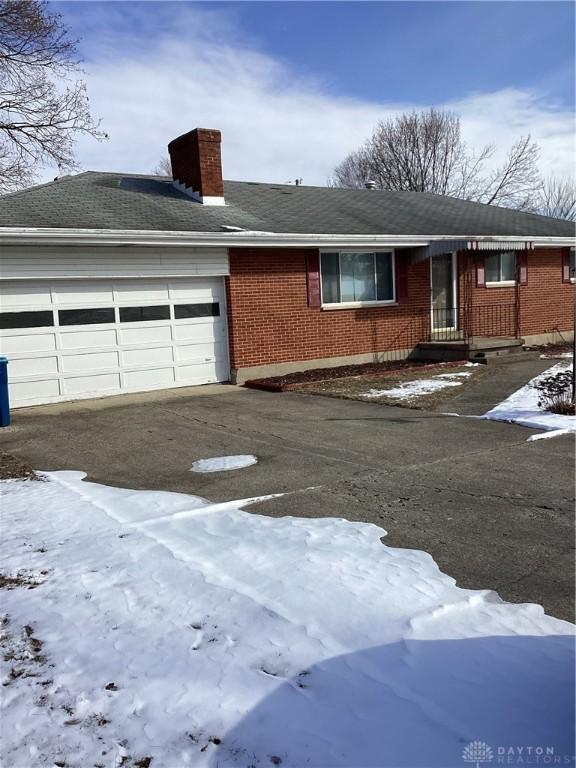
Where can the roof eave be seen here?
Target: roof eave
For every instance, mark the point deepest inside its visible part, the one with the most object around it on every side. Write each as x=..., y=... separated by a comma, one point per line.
x=108, y=237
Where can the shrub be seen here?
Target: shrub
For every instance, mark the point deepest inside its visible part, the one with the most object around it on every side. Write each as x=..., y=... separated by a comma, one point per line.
x=555, y=393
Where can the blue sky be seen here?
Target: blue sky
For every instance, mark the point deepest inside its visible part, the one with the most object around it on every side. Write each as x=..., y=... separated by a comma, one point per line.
x=421, y=51
x=276, y=67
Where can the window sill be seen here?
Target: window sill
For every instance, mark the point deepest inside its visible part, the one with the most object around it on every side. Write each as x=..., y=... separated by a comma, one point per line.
x=502, y=284
x=359, y=304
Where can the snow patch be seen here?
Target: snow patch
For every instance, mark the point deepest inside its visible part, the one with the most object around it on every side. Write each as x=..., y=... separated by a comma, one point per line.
x=458, y=374
x=551, y=433
x=412, y=389
x=199, y=634
x=522, y=408
x=223, y=463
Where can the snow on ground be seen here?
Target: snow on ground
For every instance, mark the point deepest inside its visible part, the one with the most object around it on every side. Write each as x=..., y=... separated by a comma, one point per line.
x=159, y=625
x=522, y=407
x=409, y=390
x=223, y=463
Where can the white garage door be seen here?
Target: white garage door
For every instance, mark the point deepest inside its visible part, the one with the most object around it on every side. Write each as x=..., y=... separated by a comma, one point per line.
x=72, y=339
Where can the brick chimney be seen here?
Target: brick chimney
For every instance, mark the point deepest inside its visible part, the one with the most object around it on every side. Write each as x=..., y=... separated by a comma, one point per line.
x=197, y=165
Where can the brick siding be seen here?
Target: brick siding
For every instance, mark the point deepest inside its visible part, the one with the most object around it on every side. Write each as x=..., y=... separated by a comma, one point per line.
x=270, y=321
x=546, y=303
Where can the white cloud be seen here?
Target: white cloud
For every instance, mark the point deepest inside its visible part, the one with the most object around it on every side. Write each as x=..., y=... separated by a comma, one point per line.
x=276, y=126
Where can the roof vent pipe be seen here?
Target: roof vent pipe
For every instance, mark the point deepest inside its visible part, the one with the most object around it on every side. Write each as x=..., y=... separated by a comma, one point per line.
x=370, y=184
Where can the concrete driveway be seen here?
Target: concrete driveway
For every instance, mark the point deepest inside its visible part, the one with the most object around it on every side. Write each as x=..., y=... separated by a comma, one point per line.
x=495, y=511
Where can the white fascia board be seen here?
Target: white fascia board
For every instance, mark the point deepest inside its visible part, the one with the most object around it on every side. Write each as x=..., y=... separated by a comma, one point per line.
x=26, y=236
x=95, y=237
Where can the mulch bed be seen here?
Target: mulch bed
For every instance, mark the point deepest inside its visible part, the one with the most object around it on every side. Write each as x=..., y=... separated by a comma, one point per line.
x=550, y=350
x=12, y=468
x=357, y=387
x=292, y=381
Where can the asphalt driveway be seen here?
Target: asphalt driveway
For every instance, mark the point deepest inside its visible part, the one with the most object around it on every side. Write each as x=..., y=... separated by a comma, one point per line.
x=495, y=511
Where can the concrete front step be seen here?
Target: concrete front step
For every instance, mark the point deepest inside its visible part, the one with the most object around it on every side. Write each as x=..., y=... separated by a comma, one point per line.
x=478, y=349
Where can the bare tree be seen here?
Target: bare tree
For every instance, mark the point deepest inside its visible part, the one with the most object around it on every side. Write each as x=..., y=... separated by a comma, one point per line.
x=164, y=167
x=557, y=198
x=425, y=152
x=42, y=107
x=516, y=183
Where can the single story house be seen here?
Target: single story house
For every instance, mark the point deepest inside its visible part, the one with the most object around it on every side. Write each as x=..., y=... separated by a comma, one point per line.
x=116, y=282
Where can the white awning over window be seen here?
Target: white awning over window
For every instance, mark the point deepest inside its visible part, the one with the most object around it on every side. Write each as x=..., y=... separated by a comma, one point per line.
x=449, y=246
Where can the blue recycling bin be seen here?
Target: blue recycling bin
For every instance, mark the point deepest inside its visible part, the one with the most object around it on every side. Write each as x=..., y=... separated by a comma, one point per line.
x=4, y=399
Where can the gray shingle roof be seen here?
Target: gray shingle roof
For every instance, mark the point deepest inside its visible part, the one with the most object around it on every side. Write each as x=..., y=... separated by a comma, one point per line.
x=94, y=200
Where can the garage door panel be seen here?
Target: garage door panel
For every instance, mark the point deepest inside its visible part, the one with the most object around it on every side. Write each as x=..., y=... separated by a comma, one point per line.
x=86, y=339
x=29, y=295
x=196, y=288
x=199, y=331
x=32, y=392
x=86, y=292
x=144, y=335
x=202, y=351
x=150, y=356
x=93, y=384
x=155, y=378
x=89, y=362
x=128, y=292
x=22, y=343
x=33, y=366
x=173, y=334
x=200, y=373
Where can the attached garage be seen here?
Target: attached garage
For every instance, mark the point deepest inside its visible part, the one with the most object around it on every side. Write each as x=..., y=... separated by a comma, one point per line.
x=67, y=339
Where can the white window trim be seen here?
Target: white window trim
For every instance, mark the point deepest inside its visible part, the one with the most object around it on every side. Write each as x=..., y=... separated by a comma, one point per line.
x=502, y=283
x=358, y=304
x=572, y=279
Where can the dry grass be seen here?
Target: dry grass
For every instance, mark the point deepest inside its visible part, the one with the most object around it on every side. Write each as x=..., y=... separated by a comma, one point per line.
x=356, y=387
x=12, y=468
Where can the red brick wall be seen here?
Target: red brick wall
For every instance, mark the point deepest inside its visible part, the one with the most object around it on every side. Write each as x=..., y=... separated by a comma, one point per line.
x=270, y=321
x=546, y=303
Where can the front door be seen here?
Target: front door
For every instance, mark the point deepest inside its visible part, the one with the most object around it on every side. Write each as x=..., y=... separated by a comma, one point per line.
x=443, y=288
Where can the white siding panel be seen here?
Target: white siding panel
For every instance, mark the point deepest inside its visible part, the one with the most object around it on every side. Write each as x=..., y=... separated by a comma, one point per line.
x=110, y=261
